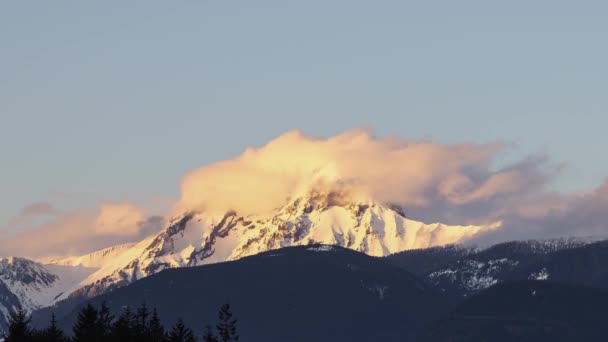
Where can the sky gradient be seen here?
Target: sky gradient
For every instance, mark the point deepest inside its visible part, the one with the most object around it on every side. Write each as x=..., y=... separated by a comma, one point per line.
x=117, y=101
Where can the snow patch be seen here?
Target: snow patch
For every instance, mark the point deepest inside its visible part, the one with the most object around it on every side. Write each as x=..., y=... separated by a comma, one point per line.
x=543, y=274
x=473, y=275
x=324, y=248
x=377, y=289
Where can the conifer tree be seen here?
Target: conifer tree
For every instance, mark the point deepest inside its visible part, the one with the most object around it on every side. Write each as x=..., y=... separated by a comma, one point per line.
x=208, y=336
x=86, y=328
x=226, y=328
x=104, y=321
x=97, y=325
x=52, y=333
x=123, y=328
x=141, y=323
x=19, y=327
x=181, y=333
x=156, y=331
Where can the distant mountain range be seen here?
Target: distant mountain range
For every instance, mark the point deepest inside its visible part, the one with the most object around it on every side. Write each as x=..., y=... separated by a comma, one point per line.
x=193, y=239
x=459, y=272
x=407, y=273
x=328, y=293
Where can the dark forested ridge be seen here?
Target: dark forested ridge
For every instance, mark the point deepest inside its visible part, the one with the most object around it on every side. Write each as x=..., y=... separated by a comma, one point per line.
x=311, y=293
x=529, y=310
x=519, y=291
x=459, y=272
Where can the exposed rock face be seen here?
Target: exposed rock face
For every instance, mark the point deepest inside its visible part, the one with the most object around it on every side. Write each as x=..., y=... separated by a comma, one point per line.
x=319, y=217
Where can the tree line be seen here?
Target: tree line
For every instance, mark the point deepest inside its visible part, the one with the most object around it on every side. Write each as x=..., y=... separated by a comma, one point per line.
x=99, y=325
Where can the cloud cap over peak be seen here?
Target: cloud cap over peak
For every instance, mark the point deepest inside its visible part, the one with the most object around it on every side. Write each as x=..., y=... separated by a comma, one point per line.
x=391, y=169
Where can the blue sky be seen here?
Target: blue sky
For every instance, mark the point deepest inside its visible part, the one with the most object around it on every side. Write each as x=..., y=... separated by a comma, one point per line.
x=118, y=100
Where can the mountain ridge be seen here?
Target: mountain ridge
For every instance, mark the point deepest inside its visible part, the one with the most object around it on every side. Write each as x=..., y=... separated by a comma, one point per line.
x=299, y=293
x=198, y=238
x=194, y=239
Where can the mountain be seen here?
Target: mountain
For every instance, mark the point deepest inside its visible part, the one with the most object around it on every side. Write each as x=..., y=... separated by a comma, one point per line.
x=528, y=310
x=24, y=282
x=306, y=293
x=193, y=239
x=198, y=238
x=454, y=271
x=32, y=285
x=460, y=272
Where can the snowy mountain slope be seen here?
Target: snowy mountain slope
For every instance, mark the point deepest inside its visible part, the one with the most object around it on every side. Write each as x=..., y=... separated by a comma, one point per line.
x=24, y=283
x=201, y=238
x=460, y=272
x=92, y=260
x=193, y=239
x=318, y=217
x=499, y=263
x=32, y=285
x=28, y=281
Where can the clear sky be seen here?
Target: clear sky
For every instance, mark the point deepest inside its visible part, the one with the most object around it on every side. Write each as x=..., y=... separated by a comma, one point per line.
x=117, y=100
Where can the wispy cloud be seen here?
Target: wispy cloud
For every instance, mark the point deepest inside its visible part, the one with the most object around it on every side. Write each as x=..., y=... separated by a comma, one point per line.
x=30, y=214
x=420, y=175
x=38, y=208
x=435, y=182
x=555, y=215
x=77, y=232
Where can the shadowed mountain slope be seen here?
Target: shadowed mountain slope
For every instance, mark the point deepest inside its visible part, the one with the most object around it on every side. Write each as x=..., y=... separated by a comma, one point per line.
x=307, y=293
x=528, y=310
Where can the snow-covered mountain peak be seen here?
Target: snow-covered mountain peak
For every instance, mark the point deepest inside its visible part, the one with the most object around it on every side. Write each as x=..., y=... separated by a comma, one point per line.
x=24, y=283
x=315, y=217
x=319, y=200
x=19, y=270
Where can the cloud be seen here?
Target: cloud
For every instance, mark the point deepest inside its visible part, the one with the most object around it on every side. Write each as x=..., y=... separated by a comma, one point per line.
x=78, y=232
x=29, y=215
x=554, y=216
x=119, y=219
x=415, y=174
x=434, y=182
x=38, y=208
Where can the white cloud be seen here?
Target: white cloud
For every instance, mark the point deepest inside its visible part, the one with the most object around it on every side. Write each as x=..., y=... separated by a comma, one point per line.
x=434, y=182
x=83, y=231
x=554, y=216
x=415, y=174
x=119, y=219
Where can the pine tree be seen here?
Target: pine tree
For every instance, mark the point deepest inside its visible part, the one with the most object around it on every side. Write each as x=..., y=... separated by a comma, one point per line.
x=140, y=329
x=52, y=333
x=226, y=327
x=181, y=333
x=86, y=328
x=123, y=328
x=156, y=331
x=208, y=336
x=104, y=322
x=37, y=336
x=19, y=327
